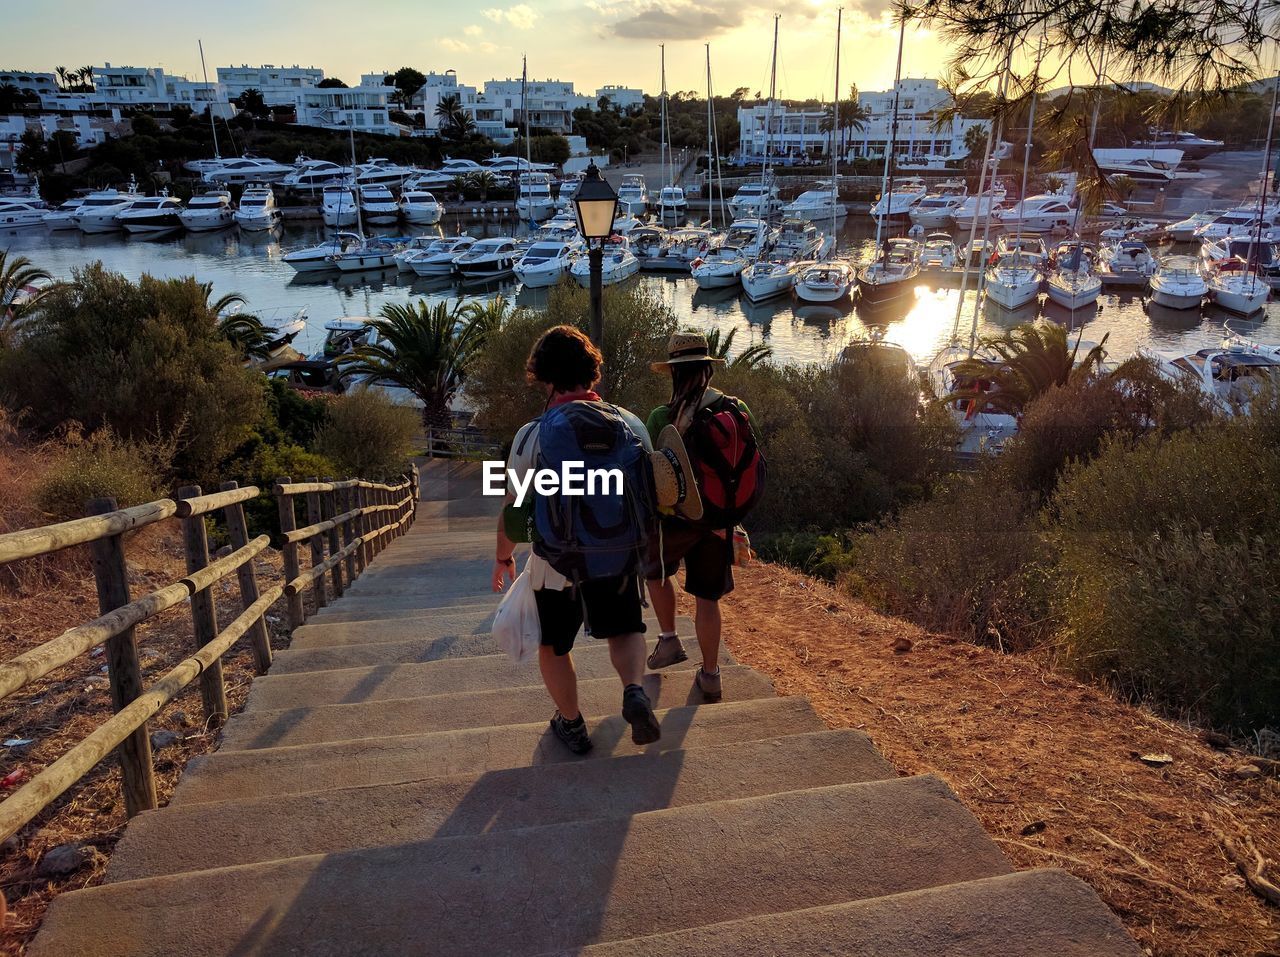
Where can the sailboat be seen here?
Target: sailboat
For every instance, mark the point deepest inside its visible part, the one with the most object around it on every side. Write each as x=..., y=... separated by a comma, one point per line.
x=890, y=276
x=832, y=279
x=533, y=190
x=671, y=201
x=366, y=255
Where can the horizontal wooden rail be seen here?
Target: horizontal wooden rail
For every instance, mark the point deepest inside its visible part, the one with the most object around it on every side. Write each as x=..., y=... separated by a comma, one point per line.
x=301, y=488
x=52, y=538
x=203, y=504
x=303, y=581
x=302, y=534
x=49, y=784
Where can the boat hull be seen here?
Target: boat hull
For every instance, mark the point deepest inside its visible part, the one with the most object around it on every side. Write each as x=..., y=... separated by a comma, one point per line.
x=1073, y=297
x=1012, y=296
x=760, y=288
x=98, y=224
x=206, y=222
x=258, y=223
x=875, y=294
x=423, y=215
x=365, y=262
x=1176, y=300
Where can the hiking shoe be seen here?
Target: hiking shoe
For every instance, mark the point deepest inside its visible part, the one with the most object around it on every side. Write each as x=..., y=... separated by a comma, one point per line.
x=708, y=685
x=572, y=733
x=668, y=651
x=638, y=712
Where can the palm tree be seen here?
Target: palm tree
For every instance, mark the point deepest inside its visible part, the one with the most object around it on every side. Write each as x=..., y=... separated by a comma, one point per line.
x=748, y=358
x=424, y=349
x=11, y=98
x=455, y=122
x=490, y=315
x=1034, y=357
x=482, y=180
x=18, y=279
x=64, y=77
x=85, y=74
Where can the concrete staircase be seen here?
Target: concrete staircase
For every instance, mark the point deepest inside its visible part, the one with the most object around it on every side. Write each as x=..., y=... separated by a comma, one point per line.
x=391, y=788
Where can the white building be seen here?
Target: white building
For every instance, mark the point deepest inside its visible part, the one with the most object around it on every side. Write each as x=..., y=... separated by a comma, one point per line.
x=490, y=118
x=279, y=85
x=41, y=84
x=625, y=98
x=363, y=107
x=550, y=102
x=88, y=131
x=920, y=102
x=150, y=88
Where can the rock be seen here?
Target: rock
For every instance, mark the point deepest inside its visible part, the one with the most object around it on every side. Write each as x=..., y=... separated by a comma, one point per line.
x=1247, y=772
x=64, y=859
x=1035, y=827
x=96, y=681
x=11, y=844
x=1217, y=740
x=1156, y=760
x=902, y=645
x=182, y=718
x=164, y=739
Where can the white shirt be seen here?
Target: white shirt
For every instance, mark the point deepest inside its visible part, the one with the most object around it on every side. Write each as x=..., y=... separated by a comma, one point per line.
x=523, y=458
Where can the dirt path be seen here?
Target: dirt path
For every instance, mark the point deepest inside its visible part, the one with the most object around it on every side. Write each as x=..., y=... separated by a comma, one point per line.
x=1051, y=767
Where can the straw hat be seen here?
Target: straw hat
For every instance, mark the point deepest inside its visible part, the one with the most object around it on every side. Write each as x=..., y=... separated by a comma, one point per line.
x=673, y=476
x=685, y=347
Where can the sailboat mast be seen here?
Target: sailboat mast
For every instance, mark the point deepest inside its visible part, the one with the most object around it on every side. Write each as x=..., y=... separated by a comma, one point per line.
x=768, y=116
x=835, y=123
x=212, y=125
x=711, y=211
x=1256, y=251
x=998, y=131
x=528, y=140
x=662, y=121
x=355, y=182
x=890, y=157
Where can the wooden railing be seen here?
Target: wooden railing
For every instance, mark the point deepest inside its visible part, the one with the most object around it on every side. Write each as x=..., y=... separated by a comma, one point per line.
x=370, y=515
x=460, y=443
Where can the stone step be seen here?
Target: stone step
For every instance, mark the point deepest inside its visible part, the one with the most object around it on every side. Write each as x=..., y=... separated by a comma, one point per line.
x=230, y=775
x=417, y=679
x=1042, y=913
x=296, y=659
x=537, y=889
x=380, y=611
x=203, y=836
x=468, y=709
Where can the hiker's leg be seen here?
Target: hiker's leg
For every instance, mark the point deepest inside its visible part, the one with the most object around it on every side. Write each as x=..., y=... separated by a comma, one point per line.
x=707, y=624
x=627, y=654
x=662, y=595
x=561, y=679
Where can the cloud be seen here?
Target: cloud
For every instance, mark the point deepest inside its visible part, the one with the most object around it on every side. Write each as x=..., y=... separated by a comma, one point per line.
x=473, y=31
x=454, y=46
x=521, y=16
x=488, y=47
x=675, y=21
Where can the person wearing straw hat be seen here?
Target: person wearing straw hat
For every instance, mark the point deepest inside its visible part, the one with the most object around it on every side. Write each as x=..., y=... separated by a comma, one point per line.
x=699, y=531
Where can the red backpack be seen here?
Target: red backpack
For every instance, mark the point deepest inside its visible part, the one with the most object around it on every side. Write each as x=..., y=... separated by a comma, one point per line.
x=727, y=462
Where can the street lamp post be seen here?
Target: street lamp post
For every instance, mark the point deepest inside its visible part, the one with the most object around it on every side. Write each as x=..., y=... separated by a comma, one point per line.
x=596, y=205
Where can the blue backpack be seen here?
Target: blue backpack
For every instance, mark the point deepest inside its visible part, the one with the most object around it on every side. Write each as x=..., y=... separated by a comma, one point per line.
x=603, y=534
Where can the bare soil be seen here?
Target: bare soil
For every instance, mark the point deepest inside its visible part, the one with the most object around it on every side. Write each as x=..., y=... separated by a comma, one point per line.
x=1052, y=768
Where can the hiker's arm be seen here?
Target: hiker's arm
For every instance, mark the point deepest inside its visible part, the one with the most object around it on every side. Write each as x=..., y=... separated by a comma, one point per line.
x=504, y=563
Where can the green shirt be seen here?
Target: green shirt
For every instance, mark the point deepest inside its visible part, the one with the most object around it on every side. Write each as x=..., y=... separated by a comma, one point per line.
x=660, y=417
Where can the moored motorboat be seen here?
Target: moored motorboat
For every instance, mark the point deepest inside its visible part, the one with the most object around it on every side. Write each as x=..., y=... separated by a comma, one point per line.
x=1126, y=263
x=100, y=211
x=939, y=252
x=720, y=268
x=319, y=258
x=1012, y=281
x=374, y=253
x=1178, y=283
x=618, y=263
x=1073, y=281
x=258, y=209
x=377, y=206
x=208, y=211
x=438, y=258
x=832, y=280
x=338, y=205
x=533, y=197
x=487, y=259
x=152, y=215
x=543, y=263
x=1230, y=375
x=767, y=278
x=633, y=195
x=1236, y=285
x=420, y=207
x=64, y=217
x=890, y=277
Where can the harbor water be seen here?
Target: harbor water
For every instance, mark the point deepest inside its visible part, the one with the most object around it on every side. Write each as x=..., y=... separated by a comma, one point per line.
x=251, y=264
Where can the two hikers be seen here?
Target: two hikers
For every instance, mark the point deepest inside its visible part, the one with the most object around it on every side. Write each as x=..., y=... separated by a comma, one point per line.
x=590, y=550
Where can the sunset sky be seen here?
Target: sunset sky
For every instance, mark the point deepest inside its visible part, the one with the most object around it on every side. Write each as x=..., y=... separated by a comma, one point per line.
x=591, y=42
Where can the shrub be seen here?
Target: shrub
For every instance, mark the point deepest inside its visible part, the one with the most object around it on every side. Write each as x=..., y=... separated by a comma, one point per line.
x=144, y=358
x=102, y=465
x=368, y=436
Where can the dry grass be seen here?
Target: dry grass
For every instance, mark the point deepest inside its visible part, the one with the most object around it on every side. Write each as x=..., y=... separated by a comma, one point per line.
x=1049, y=766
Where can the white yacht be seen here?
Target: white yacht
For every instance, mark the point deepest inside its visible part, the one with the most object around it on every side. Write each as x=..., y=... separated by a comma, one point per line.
x=420, y=207
x=533, y=197
x=338, y=206
x=430, y=179
x=830, y=281
x=625, y=222
x=379, y=171
x=1073, y=280
x=1126, y=263
x=373, y=254
x=619, y=263
x=1240, y=223
x=767, y=278
x=568, y=189
x=671, y=201
x=544, y=262
x=258, y=209
x=514, y=165
x=797, y=239
x=649, y=243
x=900, y=200
x=16, y=212
x=1184, y=230
x=1177, y=283
x=939, y=252
x=1013, y=281
x=816, y=205
x=64, y=217
x=936, y=210
x=682, y=247
x=890, y=277
x=979, y=207
x=1141, y=166
x=1191, y=146
x=405, y=251
x=377, y=206
x=152, y=215
x=1230, y=375
x=320, y=258
x=755, y=237
x=246, y=170
x=1038, y=214
x=720, y=268
x=207, y=211
x=984, y=425
x=460, y=167
x=1237, y=286
x=100, y=211
x=755, y=201
x=310, y=175
x=438, y=258
x=633, y=195
x=1031, y=248
x=1263, y=256
x=491, y=258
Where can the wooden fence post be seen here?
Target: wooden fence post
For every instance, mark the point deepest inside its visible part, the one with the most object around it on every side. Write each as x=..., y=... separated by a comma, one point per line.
x=328, y=511
x=284, y=506
x=317, y=546
x=123, y=668
x=366, y=523
x=238, y=530
x=345, y=504
x=204, y=615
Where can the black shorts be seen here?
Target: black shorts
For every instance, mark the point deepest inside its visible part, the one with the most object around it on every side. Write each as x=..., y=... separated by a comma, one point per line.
x=708, y=559
x=612, y=608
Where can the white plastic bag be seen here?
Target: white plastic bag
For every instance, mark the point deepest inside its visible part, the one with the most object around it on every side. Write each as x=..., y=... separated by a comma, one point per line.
x=515, y=624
